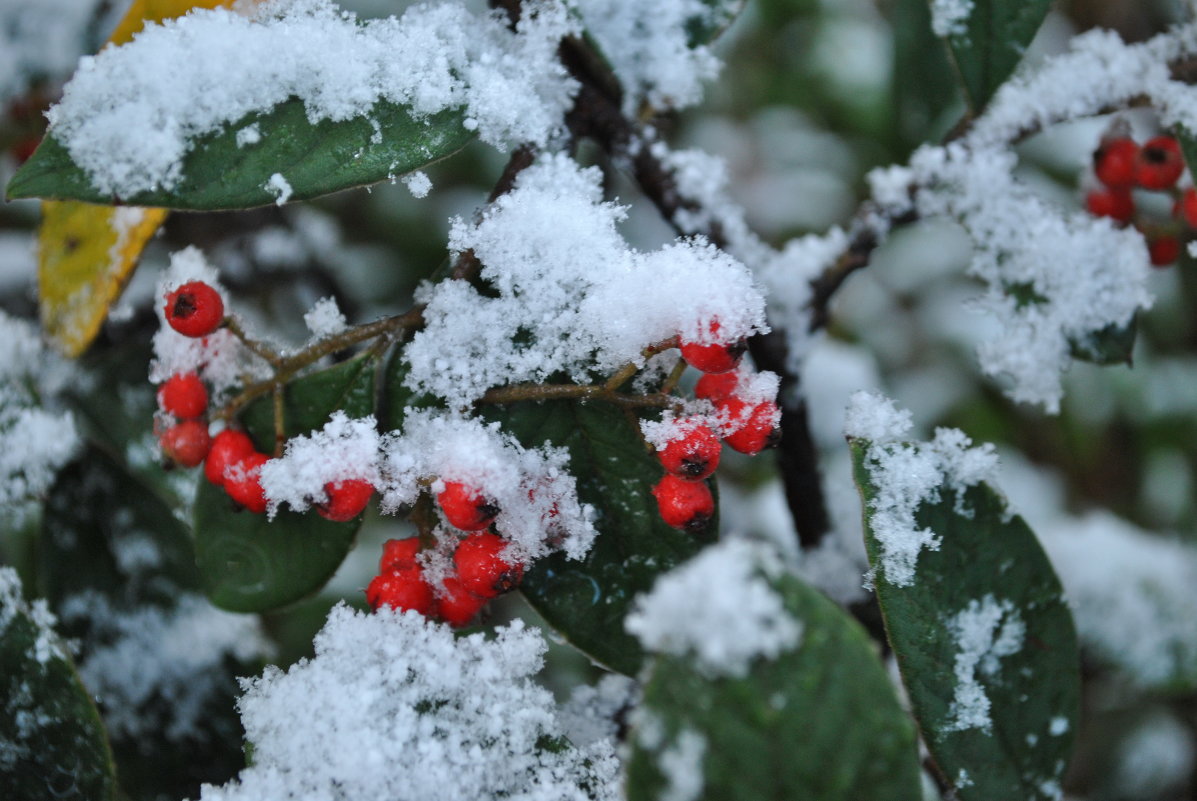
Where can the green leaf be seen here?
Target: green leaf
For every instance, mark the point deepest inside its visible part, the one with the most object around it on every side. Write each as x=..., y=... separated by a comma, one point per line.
x=987, y=559
x=52, y=743
x=1114, y=344
x=251, y=564
x=819, y=722
x=703, y=29
x=315, y=159
x=587, y=600
x=925, y=92
x=995, y=36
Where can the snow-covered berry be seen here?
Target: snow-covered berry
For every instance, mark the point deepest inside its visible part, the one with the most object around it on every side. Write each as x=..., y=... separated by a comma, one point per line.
x=243, y=482
x=458, y=606
x=720, y=356
x=183, y=395
x=346, y=499
x=693, y=456
x=398, y=554
x=228, y=447
x=1115, y=162
x=465, y=507
x=758, y=431
x=195, y=309
x=1159, y=163
x=186, y=443
x=480, y=567
x=401, y=590
x=717, y=386
x=684, y=504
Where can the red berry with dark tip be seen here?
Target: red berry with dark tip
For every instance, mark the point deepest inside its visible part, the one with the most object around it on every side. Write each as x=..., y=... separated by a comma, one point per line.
x=458, y=606
x=481, y=569
x=1117, y=204
x=228, y=447
x=195, y=309
x=401, y=590
x=683, y=504
x=243, y=482
x=398, y=554
x=1159, y=163
x=465, y=507
x=186, y=443
x=346, y=499
x=693, y=456
x=1164, y=250
x=717, y=386
x=1115, y=162
x=758, y=432
x=183, y=395
x=718, y=357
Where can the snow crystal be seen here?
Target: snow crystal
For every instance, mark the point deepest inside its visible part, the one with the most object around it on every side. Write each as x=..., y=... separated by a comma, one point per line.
x=131, y=113
x=418, y=183
x=47, y=644
x=536, y=495
x=249, y=135
x=718, y=607
x=1058, y=726
x=648, y=46
x=950, y=17
x=986, y=632
x=395, y=706
x=325, y=319
x=343, y=449
x=174, y=655
x=572, y=296
x=280, y=188
x=905, y=475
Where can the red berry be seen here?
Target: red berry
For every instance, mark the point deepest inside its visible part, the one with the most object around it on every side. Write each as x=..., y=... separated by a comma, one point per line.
x=480, y=568
x=717, y=386
x=718, y=357
x=401, y=589
x=346, y=499
x=466, y=508
x=183, y=395
x=228, y=447
x=1164, y=250
x=1116, y=204
x=186, y=443
x=684, y=504
x=194, y=309
x=1114, y=162
x=458, y=606
x=693, y=456
x=1159, y=164
x=398, y=554
x=1186, y=208
x=758, y=432
x=243, y=482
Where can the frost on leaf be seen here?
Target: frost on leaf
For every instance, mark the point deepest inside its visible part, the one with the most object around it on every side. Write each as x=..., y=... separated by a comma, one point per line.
x=572, y=296
x=130, y=114
x=906, y=475
x=394, y=706
x=719, y=608
x=985, y=631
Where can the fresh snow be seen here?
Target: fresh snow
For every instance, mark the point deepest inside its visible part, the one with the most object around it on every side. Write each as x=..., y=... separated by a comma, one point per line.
x=985, y=631
x=950, y=17
x=718, y=608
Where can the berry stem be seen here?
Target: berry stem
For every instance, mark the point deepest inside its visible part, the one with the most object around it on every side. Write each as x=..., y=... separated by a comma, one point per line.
x=260, y=348
x=280, y=423
x=620, y=377
x=674, y=376
x=541, y=392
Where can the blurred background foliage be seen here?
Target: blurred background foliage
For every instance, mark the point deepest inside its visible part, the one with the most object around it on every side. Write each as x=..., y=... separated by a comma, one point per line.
x=813, y=94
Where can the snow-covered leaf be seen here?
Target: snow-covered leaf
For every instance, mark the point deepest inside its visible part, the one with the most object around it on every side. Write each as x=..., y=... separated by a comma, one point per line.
x=985, y=643
x=251, y=564
x=292, y=159
x=52, y=744
x=987, y=39
x=587, y=600
x=1113, y=344
x=820, y=720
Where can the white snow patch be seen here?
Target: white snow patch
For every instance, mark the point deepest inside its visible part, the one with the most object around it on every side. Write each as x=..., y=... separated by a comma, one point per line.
x=986, y=632
x=950, y=17
x=325, y=319
x=344, y=449
x=249, y=135
x=418, y=183
x=280, y=188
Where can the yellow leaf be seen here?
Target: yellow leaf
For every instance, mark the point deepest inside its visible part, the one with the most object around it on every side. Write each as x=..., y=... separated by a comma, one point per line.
x=86, y=253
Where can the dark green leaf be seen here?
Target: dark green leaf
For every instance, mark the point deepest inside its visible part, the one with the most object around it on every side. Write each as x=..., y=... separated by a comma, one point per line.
x=996, y=35
x=314, y=159
x=52, y=743
x=251, y=564
x=819, y=722
x=926, y=95
x=986, y=557
x=587, y=600
x=1114, y=344
x=705, y=28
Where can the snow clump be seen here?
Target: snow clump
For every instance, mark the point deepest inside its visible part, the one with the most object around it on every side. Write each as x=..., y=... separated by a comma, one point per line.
x=986, y=632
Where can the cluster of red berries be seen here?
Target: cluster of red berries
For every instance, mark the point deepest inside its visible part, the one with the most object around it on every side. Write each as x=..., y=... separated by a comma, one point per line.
x=230, y=459
x=1122, y=166
x=480, y=572
x=683, y=498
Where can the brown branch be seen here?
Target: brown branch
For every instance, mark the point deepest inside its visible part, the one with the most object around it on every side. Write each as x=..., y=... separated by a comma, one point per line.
x=515, y=393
